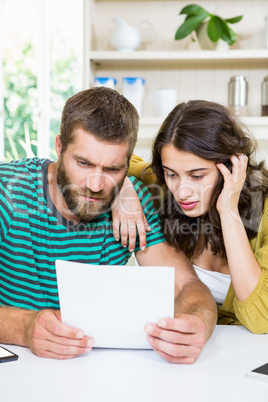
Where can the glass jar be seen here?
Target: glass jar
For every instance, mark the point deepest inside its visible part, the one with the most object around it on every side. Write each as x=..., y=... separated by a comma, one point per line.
x=238, y=95
x=264, y=97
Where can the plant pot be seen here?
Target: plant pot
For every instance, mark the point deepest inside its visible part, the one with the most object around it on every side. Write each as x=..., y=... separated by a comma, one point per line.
x=203, y=38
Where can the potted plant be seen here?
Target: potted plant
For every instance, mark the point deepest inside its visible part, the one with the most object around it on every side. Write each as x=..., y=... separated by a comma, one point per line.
x=200, y=20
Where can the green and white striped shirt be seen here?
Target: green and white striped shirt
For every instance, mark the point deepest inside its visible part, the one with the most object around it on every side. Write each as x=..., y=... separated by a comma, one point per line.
x=33, y=234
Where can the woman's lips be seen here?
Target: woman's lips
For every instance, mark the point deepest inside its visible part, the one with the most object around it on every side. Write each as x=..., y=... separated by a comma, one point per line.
x=188, y=205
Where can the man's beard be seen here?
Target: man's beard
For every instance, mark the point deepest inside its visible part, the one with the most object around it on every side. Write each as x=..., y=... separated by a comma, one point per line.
x=83, y=209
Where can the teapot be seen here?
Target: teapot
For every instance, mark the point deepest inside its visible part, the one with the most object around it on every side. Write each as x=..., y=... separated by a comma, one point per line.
x=126, y=37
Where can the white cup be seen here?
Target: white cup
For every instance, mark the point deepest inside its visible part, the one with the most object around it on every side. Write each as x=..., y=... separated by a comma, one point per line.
x=164, y=100
x=133, y=90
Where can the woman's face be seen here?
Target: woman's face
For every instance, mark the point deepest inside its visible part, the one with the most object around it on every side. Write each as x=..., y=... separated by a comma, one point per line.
x=191, y=179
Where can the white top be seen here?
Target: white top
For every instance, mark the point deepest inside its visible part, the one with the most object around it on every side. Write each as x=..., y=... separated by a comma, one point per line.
x=217, y=282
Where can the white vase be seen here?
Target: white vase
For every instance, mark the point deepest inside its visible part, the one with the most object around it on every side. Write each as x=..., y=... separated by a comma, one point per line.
x=203, y=38
x=124, y=36
x=129, y=38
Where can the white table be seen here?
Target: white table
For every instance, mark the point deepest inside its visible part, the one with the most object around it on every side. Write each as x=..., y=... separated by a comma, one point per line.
x=142, y=376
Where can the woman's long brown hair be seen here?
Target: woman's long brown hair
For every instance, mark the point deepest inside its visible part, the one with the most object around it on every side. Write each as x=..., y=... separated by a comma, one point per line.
x=210, y=131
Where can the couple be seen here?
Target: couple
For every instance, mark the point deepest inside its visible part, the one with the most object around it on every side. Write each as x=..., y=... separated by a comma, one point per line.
x=60, y=210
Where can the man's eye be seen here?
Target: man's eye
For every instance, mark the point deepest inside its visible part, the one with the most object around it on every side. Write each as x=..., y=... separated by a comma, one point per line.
x=82, y=163
x=113, y=170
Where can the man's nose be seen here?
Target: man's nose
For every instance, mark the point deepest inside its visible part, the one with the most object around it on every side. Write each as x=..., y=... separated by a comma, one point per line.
x=95, y=182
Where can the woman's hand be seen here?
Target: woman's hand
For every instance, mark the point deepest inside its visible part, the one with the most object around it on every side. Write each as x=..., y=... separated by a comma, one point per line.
x=128, y=217
x=244, y=268
x=233, y=183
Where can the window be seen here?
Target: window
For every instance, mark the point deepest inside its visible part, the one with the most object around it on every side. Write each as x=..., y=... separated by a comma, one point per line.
x=41, y=60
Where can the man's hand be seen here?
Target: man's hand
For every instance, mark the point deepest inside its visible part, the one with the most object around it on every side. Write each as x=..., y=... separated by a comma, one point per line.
x=178, y=340
x=181, y=339
x=47, y=336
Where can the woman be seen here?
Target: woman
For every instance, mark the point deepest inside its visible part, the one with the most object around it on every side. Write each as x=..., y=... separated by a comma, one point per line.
x=213, y=205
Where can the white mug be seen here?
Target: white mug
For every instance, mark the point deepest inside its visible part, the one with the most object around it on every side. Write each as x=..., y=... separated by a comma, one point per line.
x=164, y=100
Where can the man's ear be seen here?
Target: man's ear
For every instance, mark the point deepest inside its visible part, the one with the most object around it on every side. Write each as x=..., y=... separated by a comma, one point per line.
x=58, y=146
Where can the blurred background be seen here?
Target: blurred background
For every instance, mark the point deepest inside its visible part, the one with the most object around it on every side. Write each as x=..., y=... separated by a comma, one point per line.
x=40, y=67
x=51, y=49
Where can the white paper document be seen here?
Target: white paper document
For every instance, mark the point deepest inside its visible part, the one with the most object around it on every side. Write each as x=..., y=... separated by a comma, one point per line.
x=113, y=303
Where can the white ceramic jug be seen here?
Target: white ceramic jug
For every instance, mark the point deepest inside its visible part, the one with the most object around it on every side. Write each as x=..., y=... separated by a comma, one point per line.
x=126, y=37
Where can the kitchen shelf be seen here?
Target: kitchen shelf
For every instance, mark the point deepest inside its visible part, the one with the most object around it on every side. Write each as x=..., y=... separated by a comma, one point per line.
x=258, y=125
x=166, y=63
x=177, y=57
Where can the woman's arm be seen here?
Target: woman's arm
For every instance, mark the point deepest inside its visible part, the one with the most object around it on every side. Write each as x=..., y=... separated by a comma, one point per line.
x=127, y=212
x=128, y=217
x=244, y=268
x=140, y=169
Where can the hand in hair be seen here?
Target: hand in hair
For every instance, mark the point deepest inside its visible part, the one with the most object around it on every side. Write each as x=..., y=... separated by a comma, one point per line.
x=245, y=269
x=233, y=184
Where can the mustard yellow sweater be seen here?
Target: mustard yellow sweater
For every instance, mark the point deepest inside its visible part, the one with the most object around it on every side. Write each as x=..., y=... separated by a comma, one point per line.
x=253, y=312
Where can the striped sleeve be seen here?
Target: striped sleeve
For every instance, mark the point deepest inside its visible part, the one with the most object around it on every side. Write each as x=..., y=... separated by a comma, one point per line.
x=5, y=210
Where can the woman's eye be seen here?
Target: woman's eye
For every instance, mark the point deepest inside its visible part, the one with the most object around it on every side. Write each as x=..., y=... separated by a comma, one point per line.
x=170, y=174
x=197, y=177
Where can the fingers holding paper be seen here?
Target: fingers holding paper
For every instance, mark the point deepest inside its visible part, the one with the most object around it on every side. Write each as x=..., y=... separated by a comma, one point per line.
x=178, y=340
x=47, y=336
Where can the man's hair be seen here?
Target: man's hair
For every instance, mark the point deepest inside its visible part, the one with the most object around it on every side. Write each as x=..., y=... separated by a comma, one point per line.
x=104, y=113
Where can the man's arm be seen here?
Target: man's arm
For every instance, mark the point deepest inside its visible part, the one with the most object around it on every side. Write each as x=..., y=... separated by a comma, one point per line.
x=43, y=332
x=182, y=338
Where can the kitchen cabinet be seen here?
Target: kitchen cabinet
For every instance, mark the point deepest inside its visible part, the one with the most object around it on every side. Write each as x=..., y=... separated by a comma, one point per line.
x=164, y=62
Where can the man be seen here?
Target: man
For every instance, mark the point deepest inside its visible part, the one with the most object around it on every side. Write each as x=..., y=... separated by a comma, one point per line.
x=61, y=210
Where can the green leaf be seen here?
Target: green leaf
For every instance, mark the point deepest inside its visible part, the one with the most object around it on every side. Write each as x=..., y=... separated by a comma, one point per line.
x=215, y=28
x=194, y=9
x=234, y=20
x=230, y=37
x=15, y=154
x=219, y=29
x=189, y=25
